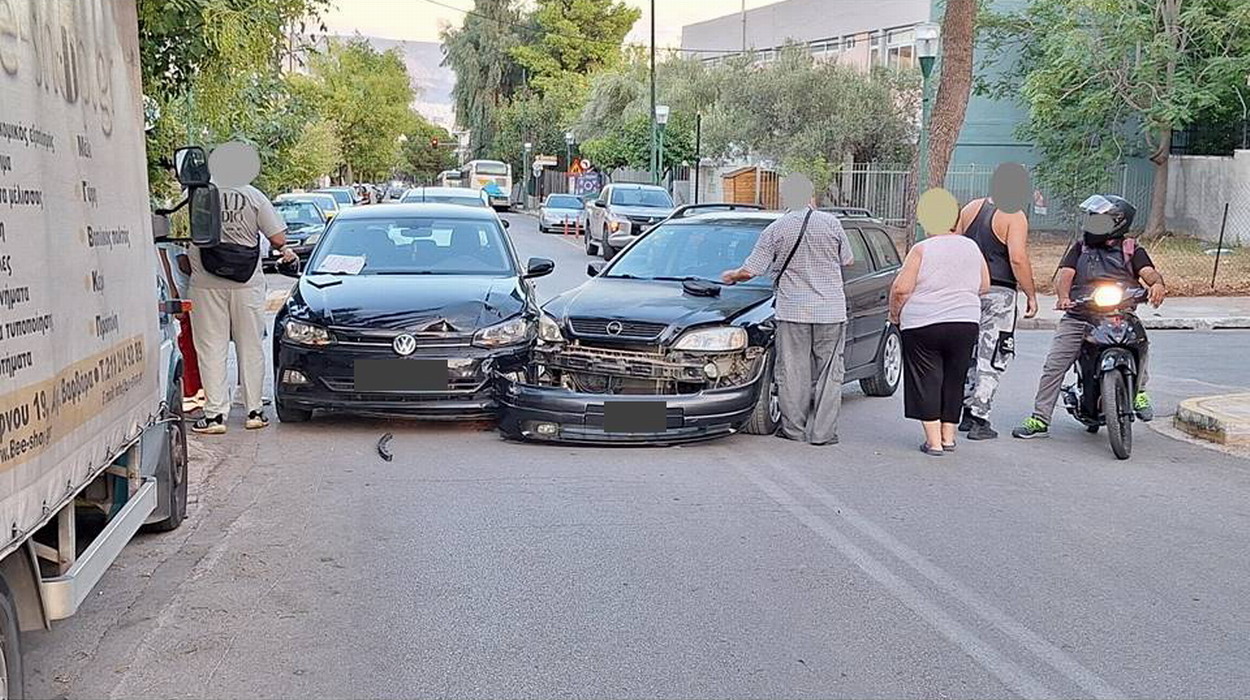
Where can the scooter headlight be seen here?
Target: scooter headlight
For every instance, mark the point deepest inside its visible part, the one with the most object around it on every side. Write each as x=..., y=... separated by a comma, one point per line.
x=1108, y=296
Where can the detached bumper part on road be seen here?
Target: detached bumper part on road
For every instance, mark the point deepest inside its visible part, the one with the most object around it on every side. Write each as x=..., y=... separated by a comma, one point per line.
x=328, y=381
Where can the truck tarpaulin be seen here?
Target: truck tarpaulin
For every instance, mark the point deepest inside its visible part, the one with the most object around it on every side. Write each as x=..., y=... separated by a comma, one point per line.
x=78, y=329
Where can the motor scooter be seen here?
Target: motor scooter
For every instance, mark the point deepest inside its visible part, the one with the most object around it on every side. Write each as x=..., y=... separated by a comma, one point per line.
x=1107, y=366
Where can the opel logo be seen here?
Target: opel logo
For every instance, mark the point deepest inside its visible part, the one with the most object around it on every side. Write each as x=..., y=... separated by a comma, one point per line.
x=615, y=328
x=404, y=344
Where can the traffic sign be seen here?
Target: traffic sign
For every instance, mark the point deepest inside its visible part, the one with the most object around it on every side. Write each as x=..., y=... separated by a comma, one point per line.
x=545, y=161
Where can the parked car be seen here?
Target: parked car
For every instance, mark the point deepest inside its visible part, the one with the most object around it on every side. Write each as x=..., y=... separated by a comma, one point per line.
x=406, y=309
x=654, y=340
x=305, y=222
x=621, y=213
x=326, y=202
x=561, y=210
x=446, y=195
x=345, y=196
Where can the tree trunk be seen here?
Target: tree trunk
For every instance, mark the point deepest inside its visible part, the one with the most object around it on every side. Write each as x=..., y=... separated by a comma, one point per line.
x=1156, y=224
x=946, y=118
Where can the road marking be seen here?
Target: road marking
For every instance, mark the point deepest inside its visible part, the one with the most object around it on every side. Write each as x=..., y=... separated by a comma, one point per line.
x=1012, y=675
x=1045, y=651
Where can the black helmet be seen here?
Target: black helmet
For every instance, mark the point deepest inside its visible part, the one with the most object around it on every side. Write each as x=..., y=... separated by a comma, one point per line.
x=1107, y=216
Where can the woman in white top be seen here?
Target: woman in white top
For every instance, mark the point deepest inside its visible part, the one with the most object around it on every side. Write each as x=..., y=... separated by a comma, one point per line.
x=936, y=303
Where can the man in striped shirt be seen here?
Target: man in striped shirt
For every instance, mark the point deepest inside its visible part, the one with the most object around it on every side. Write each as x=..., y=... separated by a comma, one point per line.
x=810, y=307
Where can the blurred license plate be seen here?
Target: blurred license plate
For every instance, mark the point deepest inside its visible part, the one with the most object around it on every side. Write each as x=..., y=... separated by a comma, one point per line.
x=401, y=375
x=635, y=416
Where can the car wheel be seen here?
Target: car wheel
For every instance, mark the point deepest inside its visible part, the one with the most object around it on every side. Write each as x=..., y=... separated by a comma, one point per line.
x=605, y=248
x=590, y=247
x=767, y=413
x=889, y=371
x=290, y=414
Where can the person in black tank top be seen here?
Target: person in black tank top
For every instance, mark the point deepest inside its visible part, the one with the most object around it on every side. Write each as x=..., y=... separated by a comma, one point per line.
x=1010, y=271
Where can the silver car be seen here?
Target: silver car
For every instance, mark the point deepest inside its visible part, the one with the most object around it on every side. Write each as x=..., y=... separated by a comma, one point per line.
x=622, y=213
x=562, y=211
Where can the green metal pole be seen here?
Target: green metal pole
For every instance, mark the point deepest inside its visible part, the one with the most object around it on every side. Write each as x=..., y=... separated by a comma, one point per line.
x=922, y=170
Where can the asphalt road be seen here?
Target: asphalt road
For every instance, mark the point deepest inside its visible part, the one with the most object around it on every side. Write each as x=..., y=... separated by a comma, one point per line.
x=749, y=567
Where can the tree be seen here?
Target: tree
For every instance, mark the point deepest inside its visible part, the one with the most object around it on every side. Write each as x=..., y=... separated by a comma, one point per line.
x=572, y=39
x=314, y=153
x=367, y=96
x=486, y=73
x=422, y=160
x=1113, y=79
x=630, y=145
x=954, y=87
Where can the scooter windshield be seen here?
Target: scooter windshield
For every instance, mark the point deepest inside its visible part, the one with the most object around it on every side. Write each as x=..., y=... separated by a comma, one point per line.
x=1097, y=204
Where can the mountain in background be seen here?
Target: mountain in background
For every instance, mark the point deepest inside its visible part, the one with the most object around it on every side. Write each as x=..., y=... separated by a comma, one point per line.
x=432, y=82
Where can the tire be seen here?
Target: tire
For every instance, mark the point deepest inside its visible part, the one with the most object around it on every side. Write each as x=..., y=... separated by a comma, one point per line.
x=767, y=413
x=11, y=678
x=290, y=414
x=605, y=248
x=1115, y=401
x=176, y=494
x=590, y=247
x=889, y=371
x=1092, y=429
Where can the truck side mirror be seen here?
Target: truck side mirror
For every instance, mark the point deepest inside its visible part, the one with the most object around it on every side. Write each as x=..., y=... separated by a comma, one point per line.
x=205, y=216
x=191, y=166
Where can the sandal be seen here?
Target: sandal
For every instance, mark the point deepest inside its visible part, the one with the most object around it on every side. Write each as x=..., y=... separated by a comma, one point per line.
x=948, y=448
x=931, y=451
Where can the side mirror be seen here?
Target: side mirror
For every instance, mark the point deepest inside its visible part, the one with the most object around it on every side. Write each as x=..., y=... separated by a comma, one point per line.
x=506, y=223
x=291, y=269
x=594, y=268
x=597, y=204
x=205, y=216
x=538, y=267
x=191, y=166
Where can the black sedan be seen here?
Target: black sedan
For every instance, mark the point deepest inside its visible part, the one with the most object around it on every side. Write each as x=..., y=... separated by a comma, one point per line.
x=406, y=309
x=305, y=222
x=653, y=350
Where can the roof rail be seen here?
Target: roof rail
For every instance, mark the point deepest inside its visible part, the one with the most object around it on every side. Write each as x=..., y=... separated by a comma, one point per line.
x=689, y=209
x=850, y=211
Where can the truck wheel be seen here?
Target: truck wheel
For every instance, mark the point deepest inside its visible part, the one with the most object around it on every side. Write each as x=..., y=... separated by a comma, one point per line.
x=606, y=248
x=1116, y=409
x=590, y=246
x=767, y=414
x=11, y=685
x=884, y=382
x=176, y=494
x=290, y=414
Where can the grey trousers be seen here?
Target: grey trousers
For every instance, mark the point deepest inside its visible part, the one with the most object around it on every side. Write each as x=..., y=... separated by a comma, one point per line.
x=1064, y=349
x=998, y=316
x=809, y=379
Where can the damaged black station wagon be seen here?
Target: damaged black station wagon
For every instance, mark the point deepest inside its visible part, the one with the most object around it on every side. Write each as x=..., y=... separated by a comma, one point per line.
x=654, y=350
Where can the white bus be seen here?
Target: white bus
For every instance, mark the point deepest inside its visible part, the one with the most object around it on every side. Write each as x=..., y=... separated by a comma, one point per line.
x=448, y=178
x=491, y=175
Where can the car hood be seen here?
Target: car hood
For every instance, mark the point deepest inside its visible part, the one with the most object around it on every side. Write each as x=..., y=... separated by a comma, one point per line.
x=408, y=302
x=654, y=301
x=649, y=212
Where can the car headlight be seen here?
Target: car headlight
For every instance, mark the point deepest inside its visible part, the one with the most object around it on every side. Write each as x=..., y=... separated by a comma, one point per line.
x=1108, y=295
x=549, y=330
x=306, y=333
x=312, y=240
x=510, y=332
x=719, y=339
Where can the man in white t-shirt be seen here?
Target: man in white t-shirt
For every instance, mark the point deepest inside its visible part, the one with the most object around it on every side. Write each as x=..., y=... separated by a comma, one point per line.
x=223, y=309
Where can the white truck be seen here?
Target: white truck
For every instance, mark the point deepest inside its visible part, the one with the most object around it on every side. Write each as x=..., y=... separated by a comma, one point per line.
x=92, y=440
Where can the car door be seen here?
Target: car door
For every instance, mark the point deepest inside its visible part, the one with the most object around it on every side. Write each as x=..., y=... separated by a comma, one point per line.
x=861, y=293
x=886, y=263
x=598, y=212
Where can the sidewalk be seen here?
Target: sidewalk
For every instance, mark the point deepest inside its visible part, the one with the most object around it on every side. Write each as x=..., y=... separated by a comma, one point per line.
x=1181, y=313
x=1221, y=419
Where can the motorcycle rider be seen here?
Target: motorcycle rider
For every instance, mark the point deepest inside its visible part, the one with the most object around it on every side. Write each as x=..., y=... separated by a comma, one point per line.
x=1104, y=254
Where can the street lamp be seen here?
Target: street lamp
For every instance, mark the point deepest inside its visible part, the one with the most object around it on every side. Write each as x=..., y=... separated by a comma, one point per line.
x=927, y=44
x=528, y=167
x=661, y=120
x=568, y=150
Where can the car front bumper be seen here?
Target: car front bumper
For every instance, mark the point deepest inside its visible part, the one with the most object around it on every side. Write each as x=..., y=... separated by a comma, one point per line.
x=329, y=381
x=556, y=415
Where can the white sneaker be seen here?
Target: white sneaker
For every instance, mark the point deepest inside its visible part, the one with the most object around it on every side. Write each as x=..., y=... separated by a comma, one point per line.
x=256, y=420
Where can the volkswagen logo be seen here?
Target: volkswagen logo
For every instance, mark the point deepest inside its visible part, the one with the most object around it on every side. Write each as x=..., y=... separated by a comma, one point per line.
x=614, y=328
x=404, y=344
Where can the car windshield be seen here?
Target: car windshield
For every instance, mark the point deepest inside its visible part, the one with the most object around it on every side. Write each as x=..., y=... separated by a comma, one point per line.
x=464, y=200
x=413, y=245
x=701, y=250
x=641, y=198
x=341, y=196
x=564, y=202
x=299, y=213
x=492, y=168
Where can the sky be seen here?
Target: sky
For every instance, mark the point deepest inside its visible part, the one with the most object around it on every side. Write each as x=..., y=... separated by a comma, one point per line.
x=420, y=20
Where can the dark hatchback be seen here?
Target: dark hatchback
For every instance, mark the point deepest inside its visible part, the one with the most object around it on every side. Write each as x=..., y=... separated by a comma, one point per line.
x=406, y=309
x=305, y=222
x=652, y=350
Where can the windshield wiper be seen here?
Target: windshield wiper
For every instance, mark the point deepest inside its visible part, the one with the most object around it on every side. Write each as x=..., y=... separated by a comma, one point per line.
x=687, y=278
x=407, y=272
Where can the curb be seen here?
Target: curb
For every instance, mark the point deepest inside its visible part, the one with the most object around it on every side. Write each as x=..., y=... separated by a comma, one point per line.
x=1172, y=324
x=1223, y=419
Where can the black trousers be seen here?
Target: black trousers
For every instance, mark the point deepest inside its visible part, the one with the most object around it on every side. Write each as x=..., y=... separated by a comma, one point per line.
x=936, y=360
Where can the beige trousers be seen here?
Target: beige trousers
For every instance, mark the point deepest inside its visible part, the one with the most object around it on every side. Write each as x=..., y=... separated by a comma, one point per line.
x=217, y=317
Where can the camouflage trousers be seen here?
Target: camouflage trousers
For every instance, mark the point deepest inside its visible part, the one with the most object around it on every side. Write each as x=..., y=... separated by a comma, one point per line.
x=996, y=346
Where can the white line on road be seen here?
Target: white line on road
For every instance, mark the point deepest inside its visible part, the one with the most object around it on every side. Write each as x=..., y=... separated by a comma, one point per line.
x=1048, y=653
x=1020, y=681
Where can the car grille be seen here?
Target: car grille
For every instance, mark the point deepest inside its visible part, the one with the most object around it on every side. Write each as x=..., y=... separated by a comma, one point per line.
x=629, y=330
x=367, y=337
x=643, y=220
